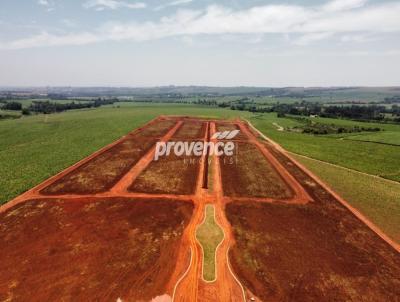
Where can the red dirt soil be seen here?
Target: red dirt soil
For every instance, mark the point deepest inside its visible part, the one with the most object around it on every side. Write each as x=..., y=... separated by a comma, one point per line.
x=313, y=252
x=249, y=174
x=158, y=128
x=229, y=126
x=304, y=246
x=91, y=249
x=168, y=175
x=190, y=130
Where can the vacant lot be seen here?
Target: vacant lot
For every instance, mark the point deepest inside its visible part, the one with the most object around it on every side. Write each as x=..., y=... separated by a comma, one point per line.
x=316, y=252
x=190, y=130
x=90, y=250
x=248, y=173
x=169, y=175
x=156, y=129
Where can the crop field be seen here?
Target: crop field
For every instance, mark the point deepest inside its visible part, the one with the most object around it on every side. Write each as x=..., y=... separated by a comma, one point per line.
x=369, y=157
x=387, y=137
x=132, y=226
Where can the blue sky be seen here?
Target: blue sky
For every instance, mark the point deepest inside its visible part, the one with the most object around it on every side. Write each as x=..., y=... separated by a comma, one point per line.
x=199, y=42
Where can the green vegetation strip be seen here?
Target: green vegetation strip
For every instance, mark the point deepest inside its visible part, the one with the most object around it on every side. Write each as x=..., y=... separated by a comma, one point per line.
x=377, y=199
x=210, y=235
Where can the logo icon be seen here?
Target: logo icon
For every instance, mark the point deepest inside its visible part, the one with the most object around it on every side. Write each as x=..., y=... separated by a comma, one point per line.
x=199, y=148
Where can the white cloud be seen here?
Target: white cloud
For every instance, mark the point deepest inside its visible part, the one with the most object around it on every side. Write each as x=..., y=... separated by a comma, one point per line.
x=313, y=23
x=359, y=38
x=69, y=22
x=312, y=37
x=49, y=5
x=341, y=5
x=173, y=3
x=44, y=2
x=112, y=4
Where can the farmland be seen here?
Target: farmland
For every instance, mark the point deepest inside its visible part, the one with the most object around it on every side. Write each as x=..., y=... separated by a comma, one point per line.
x=368, y=157
x=166, y=208
x=30, y=147
x=34, y=148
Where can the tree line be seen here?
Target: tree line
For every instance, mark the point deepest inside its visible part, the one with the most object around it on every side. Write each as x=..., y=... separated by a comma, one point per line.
x=47, y=107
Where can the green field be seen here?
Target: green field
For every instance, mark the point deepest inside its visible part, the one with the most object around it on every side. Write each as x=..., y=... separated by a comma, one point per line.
x=209, y=235
x=387, y=137
x=369, y=157
x=377, y=199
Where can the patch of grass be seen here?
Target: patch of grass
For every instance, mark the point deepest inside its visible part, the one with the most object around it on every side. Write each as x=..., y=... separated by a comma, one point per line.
x=377, y=199
x=387, y=137
x=209, y=235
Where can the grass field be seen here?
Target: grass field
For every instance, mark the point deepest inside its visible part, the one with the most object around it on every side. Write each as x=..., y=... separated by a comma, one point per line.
x=387, y=137
x=376, y=198
x=209, y=235
x=368, y=157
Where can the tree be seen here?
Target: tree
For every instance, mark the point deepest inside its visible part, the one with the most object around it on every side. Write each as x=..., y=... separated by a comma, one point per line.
x=12, y=106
